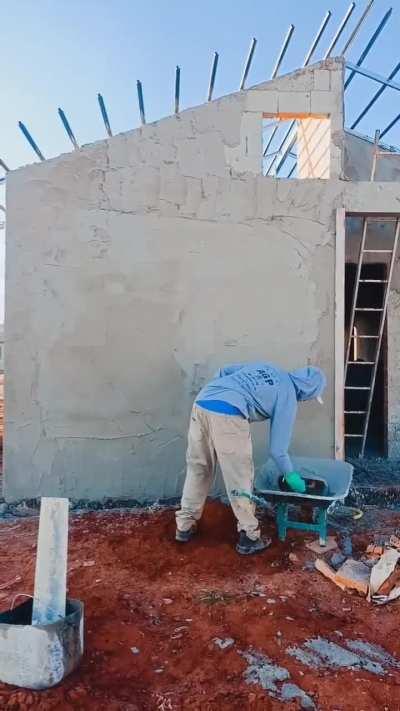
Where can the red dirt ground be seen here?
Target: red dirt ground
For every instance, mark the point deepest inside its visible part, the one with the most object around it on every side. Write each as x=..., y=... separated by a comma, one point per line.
x=146, y=591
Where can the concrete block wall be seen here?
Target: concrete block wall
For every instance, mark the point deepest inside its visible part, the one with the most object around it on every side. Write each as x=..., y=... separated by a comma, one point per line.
x=314, y=90
x=118, y=313
x=135, y=267
x=138, y=265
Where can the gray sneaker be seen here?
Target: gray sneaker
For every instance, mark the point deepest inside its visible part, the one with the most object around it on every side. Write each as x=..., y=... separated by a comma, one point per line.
x=185, y=536
x=246, y=546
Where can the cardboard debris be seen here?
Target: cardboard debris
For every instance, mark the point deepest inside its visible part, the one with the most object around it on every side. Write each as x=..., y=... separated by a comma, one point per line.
x=394, y=542
x=393, y=581
x=331, y=544
x=382, y=570
x=384, y=599
x=379, y=581
x=323, y=567
x=354, y=574
x=375, y=551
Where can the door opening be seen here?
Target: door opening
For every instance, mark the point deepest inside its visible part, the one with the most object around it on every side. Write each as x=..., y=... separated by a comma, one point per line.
x=362, y=356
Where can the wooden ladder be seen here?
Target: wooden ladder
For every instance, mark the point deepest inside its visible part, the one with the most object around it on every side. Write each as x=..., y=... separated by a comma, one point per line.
x=380, y=309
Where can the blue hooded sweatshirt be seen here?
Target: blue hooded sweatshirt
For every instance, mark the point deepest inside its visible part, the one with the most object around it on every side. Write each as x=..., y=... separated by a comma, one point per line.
x=261, y=391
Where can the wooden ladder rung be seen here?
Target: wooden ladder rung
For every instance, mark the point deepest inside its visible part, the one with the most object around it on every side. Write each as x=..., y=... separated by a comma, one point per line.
x=355, y=387
x=361, y=362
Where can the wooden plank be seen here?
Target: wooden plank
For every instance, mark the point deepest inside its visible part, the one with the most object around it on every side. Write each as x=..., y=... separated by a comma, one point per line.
x=328, y=572
x=339, y=331
x=289, y=115
x=354, y=574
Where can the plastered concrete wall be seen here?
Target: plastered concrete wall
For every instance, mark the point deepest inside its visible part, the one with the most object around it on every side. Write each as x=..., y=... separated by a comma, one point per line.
x=137, y=266
x=117, y=314
x=358, y=156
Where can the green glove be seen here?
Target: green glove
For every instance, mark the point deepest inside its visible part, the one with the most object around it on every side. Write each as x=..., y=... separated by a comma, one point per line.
x=296, y=483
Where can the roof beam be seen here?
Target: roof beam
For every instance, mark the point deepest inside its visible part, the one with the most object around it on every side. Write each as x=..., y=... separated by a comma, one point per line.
x=68, y=129
x=177, y=88
x=141, y=101
x=248, y=63
x=104, y=114
x=212, y=76
x=369, y=45
x=357, y=27
x=371, y=75
x=30, y=140
x=340, y=30
x=375, y=97
x=283, y=51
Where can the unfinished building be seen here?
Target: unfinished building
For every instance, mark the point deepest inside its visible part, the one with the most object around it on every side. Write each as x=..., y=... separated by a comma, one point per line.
x=137, y=265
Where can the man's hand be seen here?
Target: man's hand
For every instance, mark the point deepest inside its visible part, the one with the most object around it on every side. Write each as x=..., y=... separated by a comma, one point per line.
x=296, y=482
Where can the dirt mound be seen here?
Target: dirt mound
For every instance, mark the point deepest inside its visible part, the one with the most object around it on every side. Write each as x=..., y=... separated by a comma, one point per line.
x=160, y=619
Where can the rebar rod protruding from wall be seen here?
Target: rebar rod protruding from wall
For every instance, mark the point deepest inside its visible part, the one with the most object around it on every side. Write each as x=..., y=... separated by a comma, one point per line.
x=369, y=45
x=141, y=102
x=104, y=114
x=283, y=51
x=212, y=76
x=4, y=166
x=340, y=30
x=68, y=129
x=390, y=125
x=177, y=88
x=30, y=140
x=357, y=27
x=248, y=63
x=375, y=97
x=316, y=41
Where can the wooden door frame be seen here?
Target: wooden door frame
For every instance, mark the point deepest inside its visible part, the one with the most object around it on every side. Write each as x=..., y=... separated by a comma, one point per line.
x=339, y=331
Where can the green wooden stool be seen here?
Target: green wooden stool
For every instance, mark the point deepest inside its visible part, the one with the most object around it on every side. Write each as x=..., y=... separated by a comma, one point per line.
x=284, y=522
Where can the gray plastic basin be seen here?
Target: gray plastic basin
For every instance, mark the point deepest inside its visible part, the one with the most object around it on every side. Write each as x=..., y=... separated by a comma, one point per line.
x=338, y=476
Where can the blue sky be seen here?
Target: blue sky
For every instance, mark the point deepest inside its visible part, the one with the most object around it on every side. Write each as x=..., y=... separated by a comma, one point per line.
x=58, y=53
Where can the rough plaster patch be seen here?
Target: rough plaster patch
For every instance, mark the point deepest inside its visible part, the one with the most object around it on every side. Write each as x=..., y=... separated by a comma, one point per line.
x=320, y=653
x=263, y=672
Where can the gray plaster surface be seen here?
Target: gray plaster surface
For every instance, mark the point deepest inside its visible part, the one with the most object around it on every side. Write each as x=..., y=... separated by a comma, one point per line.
x=356, y=654
x=138, y=265
x=274, y=679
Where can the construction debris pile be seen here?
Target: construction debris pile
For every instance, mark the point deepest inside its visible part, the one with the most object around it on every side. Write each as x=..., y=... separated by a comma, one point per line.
x=376, y=574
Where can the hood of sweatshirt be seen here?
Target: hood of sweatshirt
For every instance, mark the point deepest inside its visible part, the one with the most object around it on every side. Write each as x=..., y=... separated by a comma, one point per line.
x=309, y=383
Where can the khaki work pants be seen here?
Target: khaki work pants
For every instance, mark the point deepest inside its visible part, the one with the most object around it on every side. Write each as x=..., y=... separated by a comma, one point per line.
x=227, y=438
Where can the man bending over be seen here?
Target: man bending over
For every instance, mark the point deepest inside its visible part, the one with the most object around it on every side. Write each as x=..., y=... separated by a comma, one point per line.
x=220, y=430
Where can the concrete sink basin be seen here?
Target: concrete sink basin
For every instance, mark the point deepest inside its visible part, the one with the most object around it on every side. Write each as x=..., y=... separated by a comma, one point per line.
x=39, y=656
